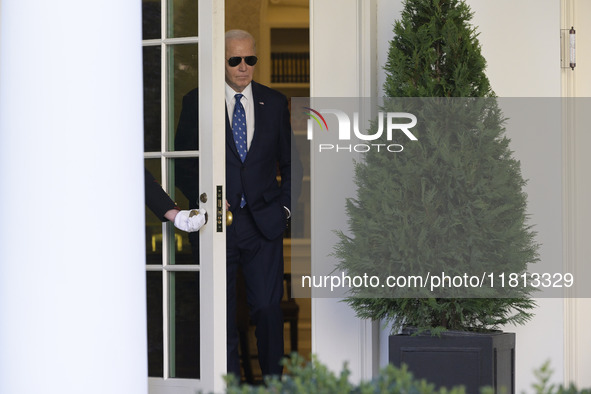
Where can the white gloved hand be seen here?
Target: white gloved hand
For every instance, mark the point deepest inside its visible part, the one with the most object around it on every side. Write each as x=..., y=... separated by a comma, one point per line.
x=190, y=221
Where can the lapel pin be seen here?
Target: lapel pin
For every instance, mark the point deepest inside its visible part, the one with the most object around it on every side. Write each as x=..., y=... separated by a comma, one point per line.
x=261, y=103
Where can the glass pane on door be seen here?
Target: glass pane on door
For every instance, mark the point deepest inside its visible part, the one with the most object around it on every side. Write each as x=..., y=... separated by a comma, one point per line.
x=153, y=223
x=183, y=20
x=152, y=98
x=155, y=320
x=151, y=13
x=184, y=325
x=183, y=78
x=184, y=171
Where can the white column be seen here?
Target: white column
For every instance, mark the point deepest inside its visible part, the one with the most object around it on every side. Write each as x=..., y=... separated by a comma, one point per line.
x=333, y=322
x=72, y=279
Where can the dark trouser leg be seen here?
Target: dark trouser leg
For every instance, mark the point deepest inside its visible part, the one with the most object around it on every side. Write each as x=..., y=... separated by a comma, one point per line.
x=269, y=333
x=261, y=261
x=263, y=274
x=232, y=260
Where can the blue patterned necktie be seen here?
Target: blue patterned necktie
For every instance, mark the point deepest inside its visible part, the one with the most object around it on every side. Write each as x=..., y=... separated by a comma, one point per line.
x=239, y=127
x=239, y=130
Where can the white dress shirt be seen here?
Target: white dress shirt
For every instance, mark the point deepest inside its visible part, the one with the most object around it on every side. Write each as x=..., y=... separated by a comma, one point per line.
x=248, y=104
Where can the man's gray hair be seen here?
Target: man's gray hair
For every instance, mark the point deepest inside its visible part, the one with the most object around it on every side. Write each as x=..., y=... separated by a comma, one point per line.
x=237, y=34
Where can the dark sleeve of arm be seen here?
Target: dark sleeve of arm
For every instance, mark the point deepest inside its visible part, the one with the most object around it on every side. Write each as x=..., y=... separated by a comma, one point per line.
x=156, y=198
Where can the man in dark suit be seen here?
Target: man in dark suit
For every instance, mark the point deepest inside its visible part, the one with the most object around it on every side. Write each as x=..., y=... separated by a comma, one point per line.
x=258, y=145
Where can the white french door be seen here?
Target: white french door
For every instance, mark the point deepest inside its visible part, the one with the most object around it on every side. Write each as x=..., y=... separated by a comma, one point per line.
x=183, y=49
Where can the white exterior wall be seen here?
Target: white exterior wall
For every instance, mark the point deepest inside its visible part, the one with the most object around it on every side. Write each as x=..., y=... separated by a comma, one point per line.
x=504, y=44
x=523, y=55
x=520, y=41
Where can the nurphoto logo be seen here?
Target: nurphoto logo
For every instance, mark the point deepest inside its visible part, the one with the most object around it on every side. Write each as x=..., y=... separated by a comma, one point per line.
x=395, y=122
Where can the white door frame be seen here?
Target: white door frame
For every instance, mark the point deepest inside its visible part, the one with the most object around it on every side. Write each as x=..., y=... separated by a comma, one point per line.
x=212, y=104
x=576, y=191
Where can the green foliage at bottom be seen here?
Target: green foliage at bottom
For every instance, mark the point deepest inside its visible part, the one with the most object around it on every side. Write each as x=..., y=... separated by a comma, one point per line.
x=543, y=385
x=313, y=377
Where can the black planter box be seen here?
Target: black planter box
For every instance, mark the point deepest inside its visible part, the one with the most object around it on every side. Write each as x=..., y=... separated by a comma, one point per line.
x=473, y=360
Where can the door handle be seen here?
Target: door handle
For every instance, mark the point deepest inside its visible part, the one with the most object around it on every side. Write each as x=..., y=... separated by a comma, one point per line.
x=220, y=206
x=203, y=199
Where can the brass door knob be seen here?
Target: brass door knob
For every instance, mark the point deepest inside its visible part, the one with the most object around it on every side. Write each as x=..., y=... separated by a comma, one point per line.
x=229, y=218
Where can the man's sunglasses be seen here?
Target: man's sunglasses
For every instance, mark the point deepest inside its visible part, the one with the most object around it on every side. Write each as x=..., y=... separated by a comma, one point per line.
x=236, y=60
